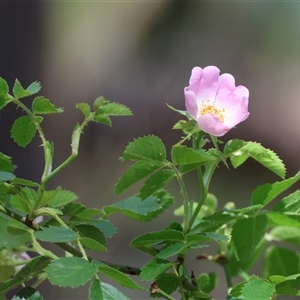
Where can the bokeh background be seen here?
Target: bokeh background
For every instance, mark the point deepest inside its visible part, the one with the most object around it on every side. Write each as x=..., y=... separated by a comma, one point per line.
x=141, y=53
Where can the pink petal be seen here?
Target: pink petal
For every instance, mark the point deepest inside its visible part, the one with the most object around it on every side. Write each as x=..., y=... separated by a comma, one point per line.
x=212, y=125
x=233, y=99
x=203, y=86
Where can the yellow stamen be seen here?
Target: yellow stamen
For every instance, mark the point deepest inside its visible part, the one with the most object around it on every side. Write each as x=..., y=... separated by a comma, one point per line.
x=207, y=108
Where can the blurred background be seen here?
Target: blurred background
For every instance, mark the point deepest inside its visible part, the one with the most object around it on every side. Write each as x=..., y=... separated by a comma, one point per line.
x=141, y=54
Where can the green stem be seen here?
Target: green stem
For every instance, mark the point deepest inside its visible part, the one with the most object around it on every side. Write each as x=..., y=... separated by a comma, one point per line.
x=185, y=200
x=227, y=275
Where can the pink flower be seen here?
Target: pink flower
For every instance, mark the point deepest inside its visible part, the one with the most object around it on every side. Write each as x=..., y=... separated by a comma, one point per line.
x=214, y=101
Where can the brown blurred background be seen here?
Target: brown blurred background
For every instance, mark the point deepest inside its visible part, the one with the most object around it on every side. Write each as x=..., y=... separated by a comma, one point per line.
x=141, y=54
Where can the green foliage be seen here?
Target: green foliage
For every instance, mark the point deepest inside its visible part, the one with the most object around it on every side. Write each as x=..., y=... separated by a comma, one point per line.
x=70, y=272
x=241, y=236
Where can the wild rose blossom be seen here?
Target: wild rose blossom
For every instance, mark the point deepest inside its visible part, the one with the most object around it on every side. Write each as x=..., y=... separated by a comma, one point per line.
x=214, y=101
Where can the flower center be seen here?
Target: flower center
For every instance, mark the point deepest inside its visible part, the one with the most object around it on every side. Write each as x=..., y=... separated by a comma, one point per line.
x=207, y=108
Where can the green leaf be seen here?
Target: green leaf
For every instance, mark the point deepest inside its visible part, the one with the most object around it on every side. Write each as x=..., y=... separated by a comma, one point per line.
x=84, y=108
x=246, y=235
x=207, y=282
x=280, y=261
x=4, y=89
x=92, y=244
x=105, y=226
x=111, y=293
x=285, y=234
x=91, y=232
x=168, y=283
x=95, y=290
x=135, y=173
x=239, y=151
x=15, y=227
x=56, y=234
x=6, y=176
x=20, y=92
x=42, y=105
x=73, y=208
x=23, y=130
x=135, y=208
x=6, y=163
x=148, y=148
x=181, y=155
x=157, y=236
x=171, y=250
x=267, y=192
x=70, y=272
x=99, y=102
x=21, y=181
x=58, y=197
x=283, y=219
x=28, y=293
x=34, y=267
x=25, y=200
x=206, y=236
x=114, y=109
x=258, y=289
x=289, y=205
x=34, y=88
x=104, y=119
x=117, y=276
x=90, y=213
x=155, y=182
x=4, y=97
x=154, y=268
x=9, y=241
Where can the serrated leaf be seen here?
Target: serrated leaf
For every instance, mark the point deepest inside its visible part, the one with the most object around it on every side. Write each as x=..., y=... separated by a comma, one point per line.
x=246, y=235
x=105, y=226
x=34, y=267
x=182, y=155
x=95, y=290
x=70, y=272
x=4, y=89
x=285, y=234
x=56, y=234
x=6, y=176
x=9, y=241
x=92, y=232
x=280, y=261
x=73, y=208
x=99, y=102
x=267, y=192
x=114, y=109
x=206, y=236
x=111, y=293
x=25, y=200
x=283, y=219
x=28, y=293
x=104, y=119
x=25, y=182
x=23, y=130
x=154, y=268
x=58, y=197
x=155, y=182
x=264, y=156
x=16, y=227
x=42, y=105
x=90, y=213
x=84, y=108
x=171, y=250
x=168, y=283
x=135, y=173
x=92, y=244
x=148, y=148
x=258, y=289
x=157, y=236
x=289, y=204
x=135, y=208
x=6, y=163
x=34, y=87
x=117, y=276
